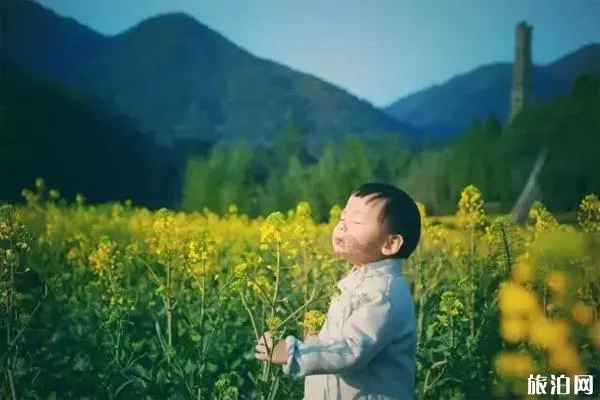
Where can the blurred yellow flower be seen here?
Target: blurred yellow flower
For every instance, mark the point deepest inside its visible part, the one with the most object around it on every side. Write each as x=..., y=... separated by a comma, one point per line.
x=514, y=364
x=522, y=273
x=232, y=209
x=595, y=334
x=240, y=269
x=565, y=359
x=516, y=300
x=334, y=214
x=557, y=282
x=513, y=329
x=422, y=210
x=548, y=333
x=583, y=314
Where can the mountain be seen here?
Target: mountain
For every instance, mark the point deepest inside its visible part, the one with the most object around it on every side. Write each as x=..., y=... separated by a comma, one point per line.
x=41, y=41
x=179, y=79
x=447, y=109
x=78, y=144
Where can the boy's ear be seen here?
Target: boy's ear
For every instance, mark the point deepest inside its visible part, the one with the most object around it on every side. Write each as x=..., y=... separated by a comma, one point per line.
x=392, y=245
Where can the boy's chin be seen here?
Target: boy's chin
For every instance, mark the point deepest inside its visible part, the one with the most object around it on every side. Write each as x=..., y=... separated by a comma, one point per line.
x=338, y=252
x=343, y=255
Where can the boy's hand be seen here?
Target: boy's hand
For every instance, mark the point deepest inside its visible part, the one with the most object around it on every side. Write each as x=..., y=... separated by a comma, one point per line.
x=280, y=353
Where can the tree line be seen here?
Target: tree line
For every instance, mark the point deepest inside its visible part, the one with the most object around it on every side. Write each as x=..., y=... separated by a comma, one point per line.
x=495, y=158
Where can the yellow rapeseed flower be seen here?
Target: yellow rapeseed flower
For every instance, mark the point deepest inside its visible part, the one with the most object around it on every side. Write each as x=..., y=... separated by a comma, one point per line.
x=565, y=359
x=516, y=300
x=470, y=208
x=523, y=272
x=541, y=218
x=40, y=184
x=557, y=282
x=273, y=322
x=232, y=209
x=73, y=254
x=548, y=333
x=514, y=364
x=589, y=213
x=513, y=329
x=583, y=314
x=595, y=334
x=313, y=320
x=240, y=269
x=334, y=214
x=271, y=228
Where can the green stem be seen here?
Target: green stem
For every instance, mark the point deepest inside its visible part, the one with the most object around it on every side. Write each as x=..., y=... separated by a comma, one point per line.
x=249, y=314
x=299, y=309
x=305, y=266
x=202, y=298
x=9, y=309
x=506, y=251
x=451, y=332
x=420, y=295
x=169, y=309
x=277, y=277
x=11, y=382
x=273, y=303
x=472, y=283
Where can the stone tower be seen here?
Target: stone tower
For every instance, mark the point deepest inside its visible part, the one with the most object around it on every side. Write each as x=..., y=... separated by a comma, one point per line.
x=522, y=70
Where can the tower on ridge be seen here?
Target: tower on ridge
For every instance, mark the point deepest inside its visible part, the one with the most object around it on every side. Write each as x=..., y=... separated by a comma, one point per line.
x=522, y=70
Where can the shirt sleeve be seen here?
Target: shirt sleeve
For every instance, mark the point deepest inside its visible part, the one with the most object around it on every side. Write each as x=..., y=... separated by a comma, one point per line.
x=368, y=329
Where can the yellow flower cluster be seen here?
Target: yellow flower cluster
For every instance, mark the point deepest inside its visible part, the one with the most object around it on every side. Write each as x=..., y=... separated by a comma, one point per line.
x=514, y=364
x=548, y=306
x=105, y=258
x=15, y=237
x=541, y=218
x=106, y=261
x=527, y=318
x=589, y=213
x=523, y=271
x=523, y=320
x=471, y=212
x=312, y=322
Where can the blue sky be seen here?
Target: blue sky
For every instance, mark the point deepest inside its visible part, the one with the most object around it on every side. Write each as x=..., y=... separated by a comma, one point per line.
x=378, y=50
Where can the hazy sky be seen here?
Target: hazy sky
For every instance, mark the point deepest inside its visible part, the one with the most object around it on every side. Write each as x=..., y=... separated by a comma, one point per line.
x=379, y=50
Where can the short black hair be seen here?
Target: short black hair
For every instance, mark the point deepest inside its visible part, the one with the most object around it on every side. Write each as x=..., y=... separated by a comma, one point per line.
x=400, y=214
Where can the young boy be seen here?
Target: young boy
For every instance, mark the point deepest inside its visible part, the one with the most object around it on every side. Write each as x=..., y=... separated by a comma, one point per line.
x=366, y=348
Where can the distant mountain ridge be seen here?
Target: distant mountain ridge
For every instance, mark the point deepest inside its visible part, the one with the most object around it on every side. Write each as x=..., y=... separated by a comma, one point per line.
x=447, y=109
x=179, y=79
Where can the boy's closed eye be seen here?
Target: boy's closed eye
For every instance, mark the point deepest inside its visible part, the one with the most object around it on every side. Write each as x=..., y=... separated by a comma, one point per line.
x=352, y=221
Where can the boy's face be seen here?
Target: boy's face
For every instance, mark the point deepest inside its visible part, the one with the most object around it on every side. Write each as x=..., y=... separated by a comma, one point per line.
x=361, y=236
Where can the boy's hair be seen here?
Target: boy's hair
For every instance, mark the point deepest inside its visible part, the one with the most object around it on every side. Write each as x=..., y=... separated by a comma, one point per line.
x=400, y=214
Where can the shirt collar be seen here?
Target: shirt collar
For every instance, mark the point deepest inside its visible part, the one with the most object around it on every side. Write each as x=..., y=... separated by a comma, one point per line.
x=387, y=266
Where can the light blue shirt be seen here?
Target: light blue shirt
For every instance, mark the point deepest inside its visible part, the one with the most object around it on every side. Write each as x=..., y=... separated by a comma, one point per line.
x=366, y=348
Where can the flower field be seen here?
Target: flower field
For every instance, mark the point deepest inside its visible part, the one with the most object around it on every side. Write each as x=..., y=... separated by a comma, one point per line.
x=116, y=302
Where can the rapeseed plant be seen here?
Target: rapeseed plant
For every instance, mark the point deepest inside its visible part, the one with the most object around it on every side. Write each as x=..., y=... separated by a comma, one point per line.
x=206, y=282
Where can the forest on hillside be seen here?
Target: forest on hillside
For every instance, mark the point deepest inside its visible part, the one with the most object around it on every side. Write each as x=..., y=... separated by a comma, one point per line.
x=78, y=145
x=496, y=159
